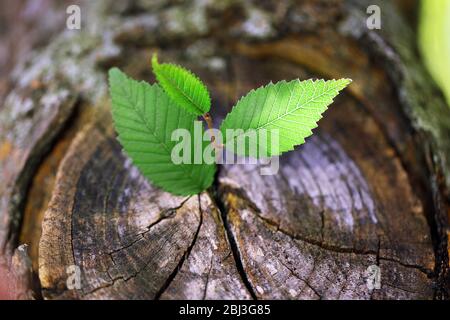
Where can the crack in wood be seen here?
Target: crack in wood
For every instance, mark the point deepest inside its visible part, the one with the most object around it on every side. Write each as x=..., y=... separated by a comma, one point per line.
x=183, y=258
x=142, y=234
x=274, y=225
x=305, y=281
x=163, y=215
x=205, y=290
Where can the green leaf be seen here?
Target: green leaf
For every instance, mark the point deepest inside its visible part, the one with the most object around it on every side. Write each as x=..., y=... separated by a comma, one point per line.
x=182, y=86
x=289, y=109
x=434, y=41
x=144, y=118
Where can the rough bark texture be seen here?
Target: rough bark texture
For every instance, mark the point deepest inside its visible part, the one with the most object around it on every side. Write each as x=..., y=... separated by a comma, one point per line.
x=370, y=188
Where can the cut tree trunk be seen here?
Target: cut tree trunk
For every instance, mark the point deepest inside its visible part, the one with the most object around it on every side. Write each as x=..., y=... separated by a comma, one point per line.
x=369, y=191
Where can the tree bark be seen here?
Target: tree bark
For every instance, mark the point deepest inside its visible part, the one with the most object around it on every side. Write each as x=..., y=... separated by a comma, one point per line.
x=370, y=188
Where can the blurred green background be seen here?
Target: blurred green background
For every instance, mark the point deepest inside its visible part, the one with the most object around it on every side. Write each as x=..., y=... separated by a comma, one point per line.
x=434, y=41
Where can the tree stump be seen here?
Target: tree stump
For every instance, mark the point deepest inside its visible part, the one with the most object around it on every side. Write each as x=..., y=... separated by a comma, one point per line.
x=368, y=190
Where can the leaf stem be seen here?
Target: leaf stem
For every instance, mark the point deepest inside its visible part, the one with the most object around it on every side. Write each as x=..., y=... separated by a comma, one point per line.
x=209, y=122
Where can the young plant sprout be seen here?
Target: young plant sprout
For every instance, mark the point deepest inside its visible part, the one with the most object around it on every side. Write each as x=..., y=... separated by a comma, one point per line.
x=146, y=116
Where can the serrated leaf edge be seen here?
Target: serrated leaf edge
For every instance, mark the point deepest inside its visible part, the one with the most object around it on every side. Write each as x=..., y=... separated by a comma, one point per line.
x=156, y=64
x=207, y=183
x=346, y=82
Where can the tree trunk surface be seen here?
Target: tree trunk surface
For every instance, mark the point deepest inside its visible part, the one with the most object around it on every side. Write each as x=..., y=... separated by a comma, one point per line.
x=370, y=188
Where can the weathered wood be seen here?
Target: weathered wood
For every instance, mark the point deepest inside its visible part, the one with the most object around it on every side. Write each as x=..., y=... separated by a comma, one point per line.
x=344, y=200
x=25, y=136
x=139, y=236
x=370, y=188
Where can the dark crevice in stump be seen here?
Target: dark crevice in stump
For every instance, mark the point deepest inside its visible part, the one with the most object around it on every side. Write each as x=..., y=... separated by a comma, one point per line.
x=233, y=247
x=183, y=258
